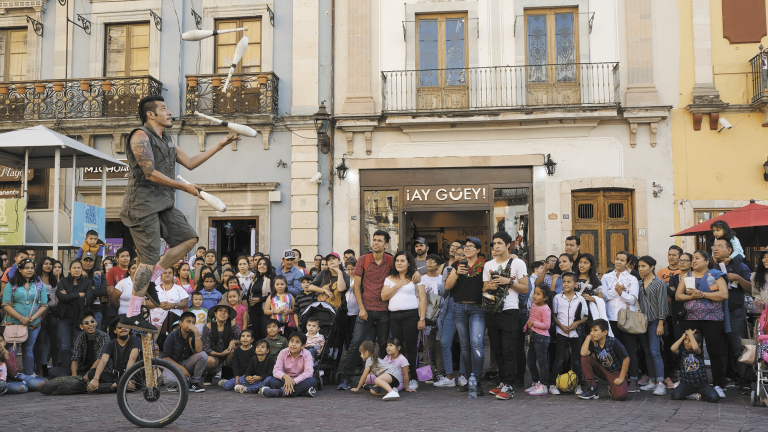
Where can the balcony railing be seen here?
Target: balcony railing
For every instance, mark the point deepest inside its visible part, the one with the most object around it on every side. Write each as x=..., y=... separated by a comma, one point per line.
x=248, y=93
x=500, y=87
x=759, y=91
x=75, y=98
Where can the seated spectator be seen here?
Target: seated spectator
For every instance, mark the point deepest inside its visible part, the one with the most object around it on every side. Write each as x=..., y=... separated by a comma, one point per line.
x=207, y=287
x=293, y=371
x=388, y=376
x=394, y=347
x=241, y=359
x=25, y=299
x=86, y=350
x=259, y=372
x=693, y=373
x=184, y=348
x=119, y=354
x=201, y=314
x=220, y=338
x=173, y=301
x=15, y=382
x=276, y=341
x=315, y=341
x=604, y=357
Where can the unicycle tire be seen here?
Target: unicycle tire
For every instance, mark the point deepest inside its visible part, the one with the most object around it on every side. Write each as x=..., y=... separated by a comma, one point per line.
x=143, y=406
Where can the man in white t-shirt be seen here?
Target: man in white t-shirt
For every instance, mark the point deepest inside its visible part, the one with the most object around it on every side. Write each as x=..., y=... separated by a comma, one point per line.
x=433, y=283
x=503, y=327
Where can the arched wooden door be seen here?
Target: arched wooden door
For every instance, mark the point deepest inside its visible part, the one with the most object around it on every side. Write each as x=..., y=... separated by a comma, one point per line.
x=604, y=221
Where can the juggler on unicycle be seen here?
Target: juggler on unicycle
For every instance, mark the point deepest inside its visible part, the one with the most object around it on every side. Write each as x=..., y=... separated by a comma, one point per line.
x=153, y=392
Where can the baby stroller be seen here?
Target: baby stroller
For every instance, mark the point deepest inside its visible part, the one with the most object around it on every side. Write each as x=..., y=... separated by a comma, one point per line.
x=760, y=394
x=326, y=314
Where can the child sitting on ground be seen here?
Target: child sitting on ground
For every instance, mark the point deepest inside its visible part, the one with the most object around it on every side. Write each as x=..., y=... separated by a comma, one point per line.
x=275, y=340
x=201, y=314
x=259, y=372
x=241, y=359
x=293, y=371
x=388, y=376
x=394, y=346
x=315, y=341
x=604, y=357
x=693, y=373
x=93, y=244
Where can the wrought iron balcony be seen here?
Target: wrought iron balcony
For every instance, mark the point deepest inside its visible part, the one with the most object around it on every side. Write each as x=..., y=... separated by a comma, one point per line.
x=75, y=98
x=501, y=87
x=759, y=89
x=248, y=93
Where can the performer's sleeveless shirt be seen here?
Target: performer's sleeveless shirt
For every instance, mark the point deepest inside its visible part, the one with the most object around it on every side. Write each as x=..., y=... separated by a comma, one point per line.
x=144, y=197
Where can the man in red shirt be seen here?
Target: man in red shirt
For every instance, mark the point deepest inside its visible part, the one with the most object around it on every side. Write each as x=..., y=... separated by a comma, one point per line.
x=115, y=275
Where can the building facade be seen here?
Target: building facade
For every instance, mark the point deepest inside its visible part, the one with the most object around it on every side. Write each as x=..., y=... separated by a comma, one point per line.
x=449, y=115
x=719, y=126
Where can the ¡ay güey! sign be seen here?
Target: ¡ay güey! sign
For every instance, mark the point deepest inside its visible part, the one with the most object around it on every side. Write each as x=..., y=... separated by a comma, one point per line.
x=445, y=194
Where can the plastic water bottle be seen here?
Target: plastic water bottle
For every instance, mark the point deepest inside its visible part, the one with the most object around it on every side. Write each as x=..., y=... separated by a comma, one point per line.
x=472, y=387
x=711, y=283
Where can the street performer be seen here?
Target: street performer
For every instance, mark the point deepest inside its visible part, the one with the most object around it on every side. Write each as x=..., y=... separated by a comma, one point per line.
x=148, y=205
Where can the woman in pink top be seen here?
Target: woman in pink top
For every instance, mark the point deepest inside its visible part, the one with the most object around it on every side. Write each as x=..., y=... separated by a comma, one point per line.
x=539, y=322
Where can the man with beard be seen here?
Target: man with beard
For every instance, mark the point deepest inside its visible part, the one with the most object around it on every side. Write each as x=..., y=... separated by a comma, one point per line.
x=118, y=355
x=421, y=248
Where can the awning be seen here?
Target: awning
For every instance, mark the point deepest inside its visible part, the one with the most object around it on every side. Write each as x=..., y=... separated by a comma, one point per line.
x=752, y=215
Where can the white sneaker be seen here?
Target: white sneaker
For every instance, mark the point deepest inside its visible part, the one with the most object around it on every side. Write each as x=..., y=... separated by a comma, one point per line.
x=648, y=387
x=553, y=390
x=445, y=382
x=413, y=384
x=531, y=388
x=433, y=380
x=661, y=389
x=720, y=392
x=392, y=395
x=240, y=388
x=462, y=381
x=578, y=390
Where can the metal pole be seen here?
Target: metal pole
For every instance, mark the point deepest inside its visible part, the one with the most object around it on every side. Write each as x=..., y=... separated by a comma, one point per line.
x=104, y=186
x=72, y=206
x=24, y=194
x=56, y=197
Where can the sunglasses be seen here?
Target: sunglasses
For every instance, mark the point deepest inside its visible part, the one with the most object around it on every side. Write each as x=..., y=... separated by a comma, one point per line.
x=89, y=322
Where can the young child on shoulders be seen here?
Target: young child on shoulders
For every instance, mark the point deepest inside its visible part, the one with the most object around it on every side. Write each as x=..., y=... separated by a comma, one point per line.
x=721, y=230
x=315, y=341
x=92, y=244
x=388, y=376
x=201, y=314
x=693, y=373
x=259, y=372
x=241, y=358
x=604, y=357
x=276, y=341
x=569, y=312
x=293, y=371
x=538, y=325
x=233, y=299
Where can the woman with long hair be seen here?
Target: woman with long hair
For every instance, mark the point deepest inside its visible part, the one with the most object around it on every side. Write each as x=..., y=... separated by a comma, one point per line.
x=257, y=293
x=705, y=297
x=654, y=305
x=49, y=324
x=121, y=294
x=244, y=275
x=220, y=337
x=182, y=277
x=407, y=309
x=591, y=289
x=25, y=300
x=75, y=294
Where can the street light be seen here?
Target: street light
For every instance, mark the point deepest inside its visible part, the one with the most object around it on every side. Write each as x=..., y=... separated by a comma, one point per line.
x=342, y=169
x=322, y=125
x=549, y=164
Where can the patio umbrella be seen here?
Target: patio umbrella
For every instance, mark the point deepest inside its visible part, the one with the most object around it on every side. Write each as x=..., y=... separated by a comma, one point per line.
x=749, y=222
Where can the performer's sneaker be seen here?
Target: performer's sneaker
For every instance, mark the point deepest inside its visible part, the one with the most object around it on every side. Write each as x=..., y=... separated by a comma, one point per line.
x=152, y=293
x=138, y=322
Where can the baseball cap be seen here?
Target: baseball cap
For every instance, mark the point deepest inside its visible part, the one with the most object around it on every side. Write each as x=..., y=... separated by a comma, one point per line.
x=303, y=278
x=420, y=240
x=289, y=254
x=333, y=254
x=476, y=241
x=89, y=255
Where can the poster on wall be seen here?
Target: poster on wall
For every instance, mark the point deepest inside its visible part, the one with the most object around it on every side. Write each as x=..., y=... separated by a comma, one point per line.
x=113, y=244
x=12, y=222
x=212, y=238
x=85, y=218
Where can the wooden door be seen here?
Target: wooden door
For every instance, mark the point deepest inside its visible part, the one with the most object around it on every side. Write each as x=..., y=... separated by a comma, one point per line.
x=442, y=55
x=603, y=220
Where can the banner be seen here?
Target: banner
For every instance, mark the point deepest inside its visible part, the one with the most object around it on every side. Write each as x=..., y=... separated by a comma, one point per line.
x=212, y=238
x=85, y=218
x=12, y=222
x=113, y=244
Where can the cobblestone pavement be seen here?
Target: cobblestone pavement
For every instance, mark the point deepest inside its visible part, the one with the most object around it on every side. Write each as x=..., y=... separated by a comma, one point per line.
x=429, y=409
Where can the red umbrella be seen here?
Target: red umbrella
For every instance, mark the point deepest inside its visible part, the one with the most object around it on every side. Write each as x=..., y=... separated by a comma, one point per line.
x=750, y=216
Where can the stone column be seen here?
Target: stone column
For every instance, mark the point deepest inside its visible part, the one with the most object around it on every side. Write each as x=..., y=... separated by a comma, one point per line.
x=359, y=100
x=704, y=91
x=304, y=97
x=304, y=195
x=641, y=91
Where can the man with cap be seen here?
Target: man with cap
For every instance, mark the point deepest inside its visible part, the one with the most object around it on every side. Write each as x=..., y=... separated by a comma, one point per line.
x=291, y=272
x=331, y=283
x=99, y=285
x=421, y=247
x=184, y=348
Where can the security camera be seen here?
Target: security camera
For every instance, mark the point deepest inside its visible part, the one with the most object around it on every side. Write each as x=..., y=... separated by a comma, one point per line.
x=316, y=178
x=724, y=124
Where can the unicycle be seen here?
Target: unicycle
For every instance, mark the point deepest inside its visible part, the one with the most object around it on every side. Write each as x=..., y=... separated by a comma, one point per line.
x=143, y=397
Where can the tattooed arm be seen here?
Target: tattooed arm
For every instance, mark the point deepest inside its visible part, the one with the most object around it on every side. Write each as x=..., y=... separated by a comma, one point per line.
x=193, y=162
x=142, y=151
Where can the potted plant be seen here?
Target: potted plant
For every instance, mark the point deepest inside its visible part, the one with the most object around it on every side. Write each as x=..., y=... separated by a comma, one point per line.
x=216, y=81
x=21, y=88
x=85, y=85
x=58, y=86
x=3, y=88
x=263, y=79
x=40, y=87
x=106, y=85
x=191, y=81
x=237, y=81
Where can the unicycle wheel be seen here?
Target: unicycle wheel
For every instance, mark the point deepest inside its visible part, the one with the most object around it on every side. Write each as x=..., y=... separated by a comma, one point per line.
x=152, y=407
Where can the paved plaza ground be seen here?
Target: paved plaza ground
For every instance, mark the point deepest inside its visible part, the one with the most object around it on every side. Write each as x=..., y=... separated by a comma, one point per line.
x=429, y=409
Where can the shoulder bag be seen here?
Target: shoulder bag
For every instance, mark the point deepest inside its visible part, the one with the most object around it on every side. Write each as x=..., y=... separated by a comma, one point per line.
x=434, y=305
x=632, y=322
x=18, y=333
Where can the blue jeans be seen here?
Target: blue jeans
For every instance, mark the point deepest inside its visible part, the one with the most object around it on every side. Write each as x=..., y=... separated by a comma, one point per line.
x=97, y=315
x=652, y=347
x=27, y=349
x=68, y=334
x=470, y=323
x=448, y=331
x=299, y=388
x=26, y=383
x=377, y=319
x=249, y=388
x=537, y=358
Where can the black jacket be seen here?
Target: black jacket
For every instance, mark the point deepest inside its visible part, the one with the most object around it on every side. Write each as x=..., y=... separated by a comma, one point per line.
x=71, y=306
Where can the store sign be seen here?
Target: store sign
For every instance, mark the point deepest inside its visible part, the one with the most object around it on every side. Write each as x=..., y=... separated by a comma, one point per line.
x=94, y=173
x=112, y=245
x=12, y=222
x=445, y=194
x=11, y=174
x=10, y=193
x=85, y=218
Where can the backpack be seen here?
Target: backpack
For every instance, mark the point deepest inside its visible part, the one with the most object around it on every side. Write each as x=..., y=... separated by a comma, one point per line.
x=493, y=300
x=367, y=259
x=66, y=385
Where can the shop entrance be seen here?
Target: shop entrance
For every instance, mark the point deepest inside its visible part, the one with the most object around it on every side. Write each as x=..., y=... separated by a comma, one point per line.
x=440, y=228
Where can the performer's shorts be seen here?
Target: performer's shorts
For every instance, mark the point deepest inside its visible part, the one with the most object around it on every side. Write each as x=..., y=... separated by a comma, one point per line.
x=171, y=225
